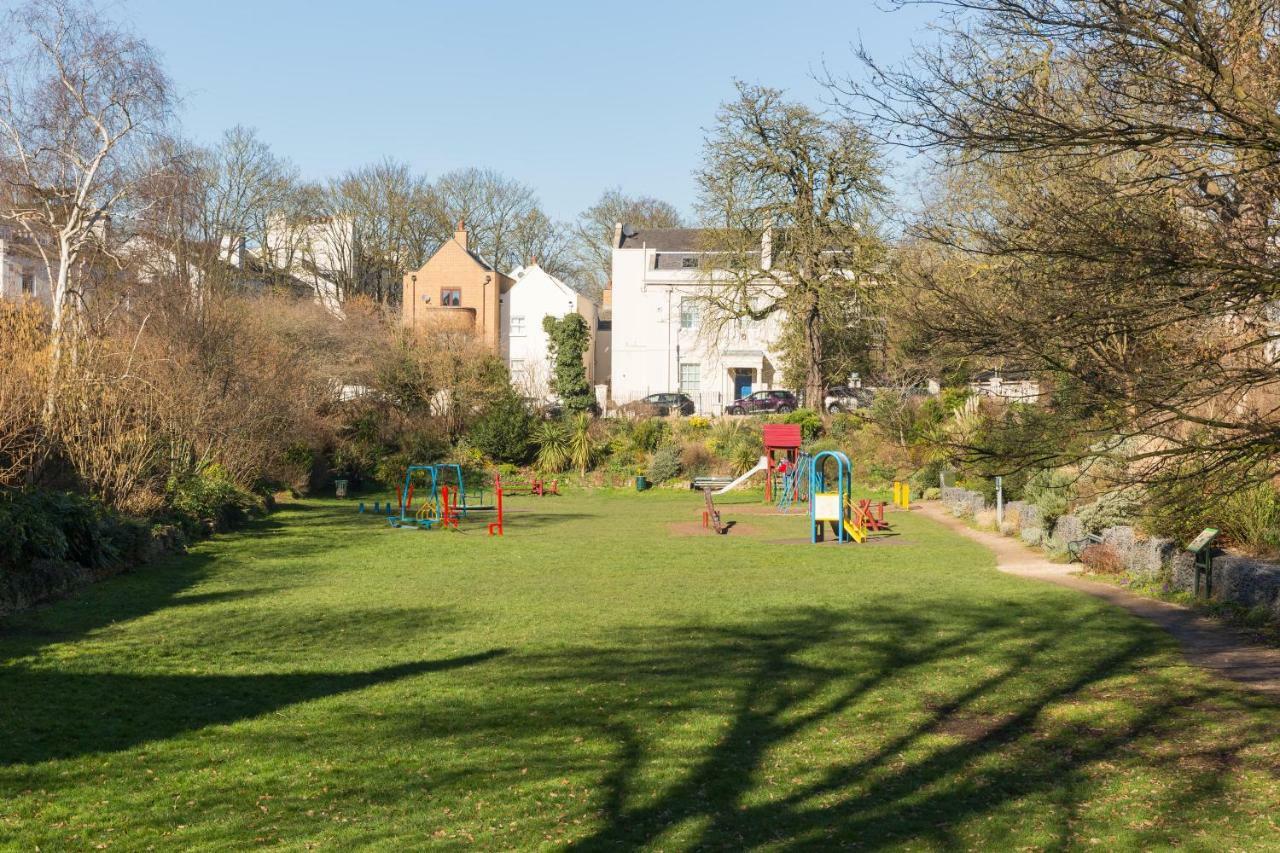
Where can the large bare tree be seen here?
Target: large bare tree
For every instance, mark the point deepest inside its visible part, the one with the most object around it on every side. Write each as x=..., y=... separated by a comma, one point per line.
x=593, y=233
x=81, y=100
x=792, y=198
x=1115, y=167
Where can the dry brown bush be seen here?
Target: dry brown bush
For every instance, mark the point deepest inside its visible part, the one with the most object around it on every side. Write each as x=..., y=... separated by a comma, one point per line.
x=24, y=340
x=1102, y=560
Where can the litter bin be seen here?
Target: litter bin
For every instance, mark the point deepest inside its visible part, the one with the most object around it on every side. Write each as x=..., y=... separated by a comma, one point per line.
x=642, y=483
x=340, y=488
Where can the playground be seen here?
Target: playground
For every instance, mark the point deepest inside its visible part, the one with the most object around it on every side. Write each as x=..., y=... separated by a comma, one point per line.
x=326, y=679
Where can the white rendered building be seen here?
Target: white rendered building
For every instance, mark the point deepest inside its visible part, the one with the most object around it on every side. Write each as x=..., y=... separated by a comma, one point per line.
x=22, y=271
x=537, y=294
x=661, y=342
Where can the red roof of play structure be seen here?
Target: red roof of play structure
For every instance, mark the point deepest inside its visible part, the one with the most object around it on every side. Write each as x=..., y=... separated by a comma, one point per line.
x=782, y=435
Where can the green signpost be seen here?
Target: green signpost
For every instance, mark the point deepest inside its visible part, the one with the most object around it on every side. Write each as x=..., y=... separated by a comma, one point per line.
x=1201, y=548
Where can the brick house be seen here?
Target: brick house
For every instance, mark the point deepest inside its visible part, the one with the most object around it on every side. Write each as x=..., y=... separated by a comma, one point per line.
x=456, y=289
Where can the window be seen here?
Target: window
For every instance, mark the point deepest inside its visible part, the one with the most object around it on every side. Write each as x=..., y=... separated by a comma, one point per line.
x=517, y=368
x=450, y=297
x=28, y=282
x=604, y=325
x=689, y=262
x=690, y=377
x=688, y=314
x=517, y=326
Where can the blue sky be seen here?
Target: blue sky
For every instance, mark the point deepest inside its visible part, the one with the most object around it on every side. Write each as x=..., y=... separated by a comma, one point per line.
x=569, y=97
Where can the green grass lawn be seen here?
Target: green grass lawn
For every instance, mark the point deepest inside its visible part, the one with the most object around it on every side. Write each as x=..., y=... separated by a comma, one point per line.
x=591, y=680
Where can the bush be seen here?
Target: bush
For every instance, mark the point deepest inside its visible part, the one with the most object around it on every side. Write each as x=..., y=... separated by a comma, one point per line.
x=1050, y=492
x=665, y=464
x=553, y=446
x=648, y=434
x=210, y=500
x=59, y=526
x=1251, y=518
x=503, y=432
x=810, y=422
x=696, y=459
x=1102, y=560
x=1111, y=509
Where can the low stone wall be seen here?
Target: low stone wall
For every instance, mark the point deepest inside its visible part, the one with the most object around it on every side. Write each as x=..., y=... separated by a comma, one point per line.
x=1245, y=581
x=963, y=503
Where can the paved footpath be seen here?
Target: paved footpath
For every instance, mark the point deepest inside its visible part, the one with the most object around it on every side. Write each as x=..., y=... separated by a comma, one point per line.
x=1206, y=643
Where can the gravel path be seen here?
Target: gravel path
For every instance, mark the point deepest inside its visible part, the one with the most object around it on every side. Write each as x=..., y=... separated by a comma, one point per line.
x=1206, y=643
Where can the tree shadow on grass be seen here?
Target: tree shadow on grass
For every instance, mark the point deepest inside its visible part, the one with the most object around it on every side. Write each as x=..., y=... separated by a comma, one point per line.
x=907, y=722
x=59, y=714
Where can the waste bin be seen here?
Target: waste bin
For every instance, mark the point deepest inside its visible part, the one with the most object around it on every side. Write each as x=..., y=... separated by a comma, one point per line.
x=642, y=483
x=340, y=488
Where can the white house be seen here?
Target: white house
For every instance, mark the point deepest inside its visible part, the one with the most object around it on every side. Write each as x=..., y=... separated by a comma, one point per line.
x=1014, y=386
x=22, y=271
x=537, y=294
x=660, y=341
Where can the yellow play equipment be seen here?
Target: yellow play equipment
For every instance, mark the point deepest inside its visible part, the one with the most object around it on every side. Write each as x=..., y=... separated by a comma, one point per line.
x=902, y=495
x=833, y=508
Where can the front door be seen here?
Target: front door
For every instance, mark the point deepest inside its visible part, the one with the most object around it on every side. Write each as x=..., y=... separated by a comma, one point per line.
x=741, y=383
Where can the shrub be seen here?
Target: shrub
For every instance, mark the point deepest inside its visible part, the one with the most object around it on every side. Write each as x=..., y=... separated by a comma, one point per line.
x=696, y=459
x=582, y=445
x=882, y=473
x=60, y=526
x=210, y=500
x=648, y=434
x=1102, y=560
x=810, y=422
x=553, y=446
x=1111, y=509
x=931, y=494
x=504, y=430
x=1050, y=492
x=665, y=464
x=843, y=426
x=727, y=434
x=1251, y=518
x=698, y=423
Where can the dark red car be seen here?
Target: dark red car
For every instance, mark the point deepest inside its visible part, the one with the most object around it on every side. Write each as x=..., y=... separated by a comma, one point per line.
x=763, y=401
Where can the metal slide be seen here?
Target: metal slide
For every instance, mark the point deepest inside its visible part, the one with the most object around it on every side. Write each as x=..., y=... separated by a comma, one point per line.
x=762, y=465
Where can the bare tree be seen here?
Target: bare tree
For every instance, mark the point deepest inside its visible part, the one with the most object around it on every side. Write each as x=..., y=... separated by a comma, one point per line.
x=1113, y=177
x=792, y=198
x=80, y=100
x=506, y=224
x=592, y=233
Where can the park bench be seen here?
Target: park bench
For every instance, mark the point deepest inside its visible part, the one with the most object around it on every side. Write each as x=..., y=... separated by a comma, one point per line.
x=1076, y=547
x=699, y=484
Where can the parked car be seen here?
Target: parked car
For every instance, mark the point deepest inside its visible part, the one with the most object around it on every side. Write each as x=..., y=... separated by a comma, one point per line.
x=763, y=401
x=660, y=405
x=845, y=399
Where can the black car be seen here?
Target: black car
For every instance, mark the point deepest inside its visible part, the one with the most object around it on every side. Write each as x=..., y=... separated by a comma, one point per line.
x=661, y=405
x=763, y=401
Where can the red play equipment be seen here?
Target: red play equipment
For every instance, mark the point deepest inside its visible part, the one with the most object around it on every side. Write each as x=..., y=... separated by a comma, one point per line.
x=495, y=528
x=781, y=439
x=535, y=485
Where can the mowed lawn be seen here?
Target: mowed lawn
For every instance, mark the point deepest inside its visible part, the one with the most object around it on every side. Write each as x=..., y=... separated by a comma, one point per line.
x=593, y=680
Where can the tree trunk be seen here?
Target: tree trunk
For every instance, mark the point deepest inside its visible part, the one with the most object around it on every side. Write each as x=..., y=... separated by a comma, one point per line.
x=813, y=356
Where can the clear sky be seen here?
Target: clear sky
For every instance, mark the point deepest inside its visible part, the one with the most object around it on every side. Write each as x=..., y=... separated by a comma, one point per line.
x=569, y=97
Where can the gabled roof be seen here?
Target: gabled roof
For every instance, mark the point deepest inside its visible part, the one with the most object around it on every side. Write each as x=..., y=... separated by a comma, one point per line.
x=521, y=273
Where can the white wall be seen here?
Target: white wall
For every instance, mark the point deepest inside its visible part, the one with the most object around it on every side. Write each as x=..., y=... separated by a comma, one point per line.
x=12, y=267
x=649, y=342
x=537, y=294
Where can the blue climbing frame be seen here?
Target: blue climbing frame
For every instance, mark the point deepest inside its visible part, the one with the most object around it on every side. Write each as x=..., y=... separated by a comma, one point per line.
x=821, y=496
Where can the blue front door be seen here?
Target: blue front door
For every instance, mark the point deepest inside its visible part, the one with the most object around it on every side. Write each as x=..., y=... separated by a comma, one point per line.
x=741, y=384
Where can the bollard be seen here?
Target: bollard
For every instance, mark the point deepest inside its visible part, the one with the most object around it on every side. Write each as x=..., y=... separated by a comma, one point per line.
x=361, y=506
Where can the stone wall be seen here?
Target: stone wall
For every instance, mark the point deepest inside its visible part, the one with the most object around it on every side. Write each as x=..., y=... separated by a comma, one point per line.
x=1245, y=581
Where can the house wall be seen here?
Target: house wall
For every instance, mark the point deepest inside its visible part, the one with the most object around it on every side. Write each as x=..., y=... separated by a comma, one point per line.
x=452, y=267
x=535, y=295
x=649, y=343
x=12, y=266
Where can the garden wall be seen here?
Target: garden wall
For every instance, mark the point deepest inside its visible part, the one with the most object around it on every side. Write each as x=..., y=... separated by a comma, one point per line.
x=1241, y=580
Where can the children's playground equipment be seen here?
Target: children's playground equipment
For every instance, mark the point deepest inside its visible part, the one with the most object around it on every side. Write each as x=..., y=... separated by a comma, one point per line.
x=444, y=501
x=781, y=439
x=902, y=495
x=762, y=465
x=711, y=515
x=831, y=502
x=794, y=486
x=781, y=456
x=533, y=486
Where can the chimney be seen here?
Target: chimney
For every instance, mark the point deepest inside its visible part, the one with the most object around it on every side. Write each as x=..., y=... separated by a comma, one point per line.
x=461, y=233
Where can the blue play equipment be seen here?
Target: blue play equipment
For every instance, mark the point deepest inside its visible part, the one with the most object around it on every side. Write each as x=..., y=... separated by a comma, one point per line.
x=831, y=500
x=795, y=483
x=434, y=479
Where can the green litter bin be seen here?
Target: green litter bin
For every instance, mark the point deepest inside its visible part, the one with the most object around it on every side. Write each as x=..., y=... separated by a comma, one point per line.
x=340, y=488
x=642, y=483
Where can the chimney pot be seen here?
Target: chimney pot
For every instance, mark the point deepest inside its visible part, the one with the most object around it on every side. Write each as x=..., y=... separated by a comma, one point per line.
x=461, y=233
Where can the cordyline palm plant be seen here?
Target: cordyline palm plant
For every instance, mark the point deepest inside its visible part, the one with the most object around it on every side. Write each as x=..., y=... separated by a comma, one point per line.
x=553, y=446
x=582, y=447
